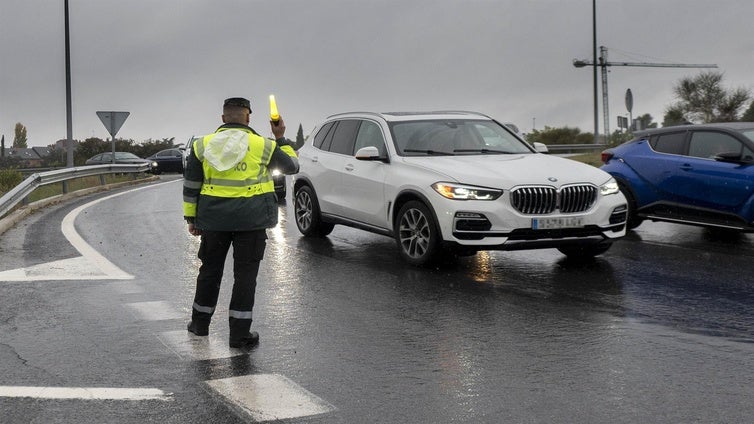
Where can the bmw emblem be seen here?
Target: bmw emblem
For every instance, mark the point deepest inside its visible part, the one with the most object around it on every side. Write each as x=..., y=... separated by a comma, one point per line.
x=552, y=179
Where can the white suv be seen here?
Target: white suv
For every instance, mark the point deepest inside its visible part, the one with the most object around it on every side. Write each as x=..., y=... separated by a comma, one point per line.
x=451, y=182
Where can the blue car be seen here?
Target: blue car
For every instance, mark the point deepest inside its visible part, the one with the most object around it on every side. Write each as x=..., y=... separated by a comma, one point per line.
x=691, y=174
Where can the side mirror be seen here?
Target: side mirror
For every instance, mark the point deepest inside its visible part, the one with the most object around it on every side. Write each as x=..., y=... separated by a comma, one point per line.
x=541, y=147
x=369, y=153
x=733, y=157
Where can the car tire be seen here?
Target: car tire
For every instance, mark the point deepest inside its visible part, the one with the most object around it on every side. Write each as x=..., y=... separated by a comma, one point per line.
x=417, y=234
x=632, y=220
x=308, y=218
x=586, y=251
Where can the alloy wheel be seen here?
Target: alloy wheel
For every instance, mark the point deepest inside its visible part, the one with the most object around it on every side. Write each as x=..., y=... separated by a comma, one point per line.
x=303, y=210
x=414, y=233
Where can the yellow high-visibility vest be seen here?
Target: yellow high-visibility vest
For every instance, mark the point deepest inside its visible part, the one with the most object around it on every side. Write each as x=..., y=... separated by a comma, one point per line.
x=247, y=178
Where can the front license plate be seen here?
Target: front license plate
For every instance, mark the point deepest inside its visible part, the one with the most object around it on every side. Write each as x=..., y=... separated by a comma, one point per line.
x=553, y=223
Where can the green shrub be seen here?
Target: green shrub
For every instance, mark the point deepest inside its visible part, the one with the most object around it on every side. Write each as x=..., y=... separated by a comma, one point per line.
x=9, y=178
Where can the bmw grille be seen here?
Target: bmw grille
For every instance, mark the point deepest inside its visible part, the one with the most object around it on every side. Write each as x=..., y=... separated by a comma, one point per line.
x=537, y=200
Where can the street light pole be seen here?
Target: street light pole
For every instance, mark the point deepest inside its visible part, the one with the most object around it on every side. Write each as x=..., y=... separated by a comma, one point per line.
x=594, y=58
x=68, y=115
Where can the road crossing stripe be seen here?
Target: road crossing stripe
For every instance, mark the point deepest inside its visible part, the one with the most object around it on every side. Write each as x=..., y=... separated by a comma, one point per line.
x=83, y=393
x=269, y=397
x=155, y=310
x=195, y=348
x=127, y=287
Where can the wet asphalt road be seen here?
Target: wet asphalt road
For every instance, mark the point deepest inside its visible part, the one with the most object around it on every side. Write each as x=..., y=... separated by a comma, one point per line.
x=659, y=329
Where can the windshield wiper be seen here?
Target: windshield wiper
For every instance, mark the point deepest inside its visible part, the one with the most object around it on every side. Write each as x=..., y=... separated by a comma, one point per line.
x=483, y=151
x=429, y=152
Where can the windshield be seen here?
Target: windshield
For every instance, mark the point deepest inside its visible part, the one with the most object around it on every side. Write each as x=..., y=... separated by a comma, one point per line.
x=454, y=137
x=749, y=134
x=125, y=155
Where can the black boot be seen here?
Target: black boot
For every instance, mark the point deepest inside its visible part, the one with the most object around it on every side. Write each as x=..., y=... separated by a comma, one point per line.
x=197, y=329
x=249, y=340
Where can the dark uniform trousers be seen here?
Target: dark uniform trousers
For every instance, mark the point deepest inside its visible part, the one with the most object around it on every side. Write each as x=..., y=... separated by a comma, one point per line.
x=248, y=251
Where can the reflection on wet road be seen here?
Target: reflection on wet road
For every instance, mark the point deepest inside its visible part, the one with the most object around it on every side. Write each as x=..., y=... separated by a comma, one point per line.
x=659, y=329
x=660, y=326
x=689, y=278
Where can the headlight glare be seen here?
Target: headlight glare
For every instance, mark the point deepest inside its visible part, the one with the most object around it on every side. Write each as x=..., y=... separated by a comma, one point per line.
x=466, y=192
x=610, y=187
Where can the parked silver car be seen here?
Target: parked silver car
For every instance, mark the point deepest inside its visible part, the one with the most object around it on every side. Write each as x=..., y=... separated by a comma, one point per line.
x=120, y=157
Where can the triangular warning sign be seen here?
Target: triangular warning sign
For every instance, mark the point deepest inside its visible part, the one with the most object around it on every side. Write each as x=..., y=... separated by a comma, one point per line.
x=113, y=120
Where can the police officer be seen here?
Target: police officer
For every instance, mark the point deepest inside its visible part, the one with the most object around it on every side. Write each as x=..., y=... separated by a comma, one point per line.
x=229, y=198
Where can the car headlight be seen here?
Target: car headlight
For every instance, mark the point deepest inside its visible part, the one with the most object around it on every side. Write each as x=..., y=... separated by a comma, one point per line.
x=610, y=187
x=466, y=192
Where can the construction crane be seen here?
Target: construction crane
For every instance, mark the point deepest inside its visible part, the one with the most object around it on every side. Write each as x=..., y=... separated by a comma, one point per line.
x=603, y=63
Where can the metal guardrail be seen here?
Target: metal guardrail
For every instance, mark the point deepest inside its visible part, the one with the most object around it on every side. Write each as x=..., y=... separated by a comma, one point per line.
x=576, y=148
x=10, y=199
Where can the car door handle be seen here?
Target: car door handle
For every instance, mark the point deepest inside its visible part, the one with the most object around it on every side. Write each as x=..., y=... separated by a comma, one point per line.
x=349, y=167
x=686, y=167
x=315, y=159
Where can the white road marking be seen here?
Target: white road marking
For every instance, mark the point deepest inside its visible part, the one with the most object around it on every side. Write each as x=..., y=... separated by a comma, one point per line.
x=155, y=310
x=127, y=287
x=265, y=397
x=79, y=268
x=269, y=397
x=91, y=265
x=195, y=348
x=83, y=393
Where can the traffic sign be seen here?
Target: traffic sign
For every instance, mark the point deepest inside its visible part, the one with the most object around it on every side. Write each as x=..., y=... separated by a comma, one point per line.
x=629, y=100
x=113, y=120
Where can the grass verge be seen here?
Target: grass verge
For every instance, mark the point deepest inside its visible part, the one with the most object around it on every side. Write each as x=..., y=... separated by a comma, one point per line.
x=76, y=184
x=593, y=159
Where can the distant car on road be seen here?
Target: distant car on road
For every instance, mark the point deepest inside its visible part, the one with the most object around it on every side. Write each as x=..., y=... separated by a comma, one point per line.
x=168, y=160
x=513, y=127
x=281, y=183
x=451, y=182
x=120, y=157
x=691, y=174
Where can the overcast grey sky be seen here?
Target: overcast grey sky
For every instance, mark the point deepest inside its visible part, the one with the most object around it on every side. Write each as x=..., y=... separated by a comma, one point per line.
x=170, y=63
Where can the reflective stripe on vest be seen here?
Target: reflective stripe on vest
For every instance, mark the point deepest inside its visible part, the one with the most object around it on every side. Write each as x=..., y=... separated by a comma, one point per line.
x=247, y=178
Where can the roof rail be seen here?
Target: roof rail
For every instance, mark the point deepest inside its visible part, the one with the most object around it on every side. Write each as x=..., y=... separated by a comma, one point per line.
x=349, y=113
x=381, y=114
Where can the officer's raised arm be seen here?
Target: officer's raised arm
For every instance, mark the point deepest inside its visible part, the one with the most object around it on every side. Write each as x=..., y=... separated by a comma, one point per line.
x=284, y=157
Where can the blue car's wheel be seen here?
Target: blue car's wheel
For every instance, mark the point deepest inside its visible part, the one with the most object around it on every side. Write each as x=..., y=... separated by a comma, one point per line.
x=632, y=220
